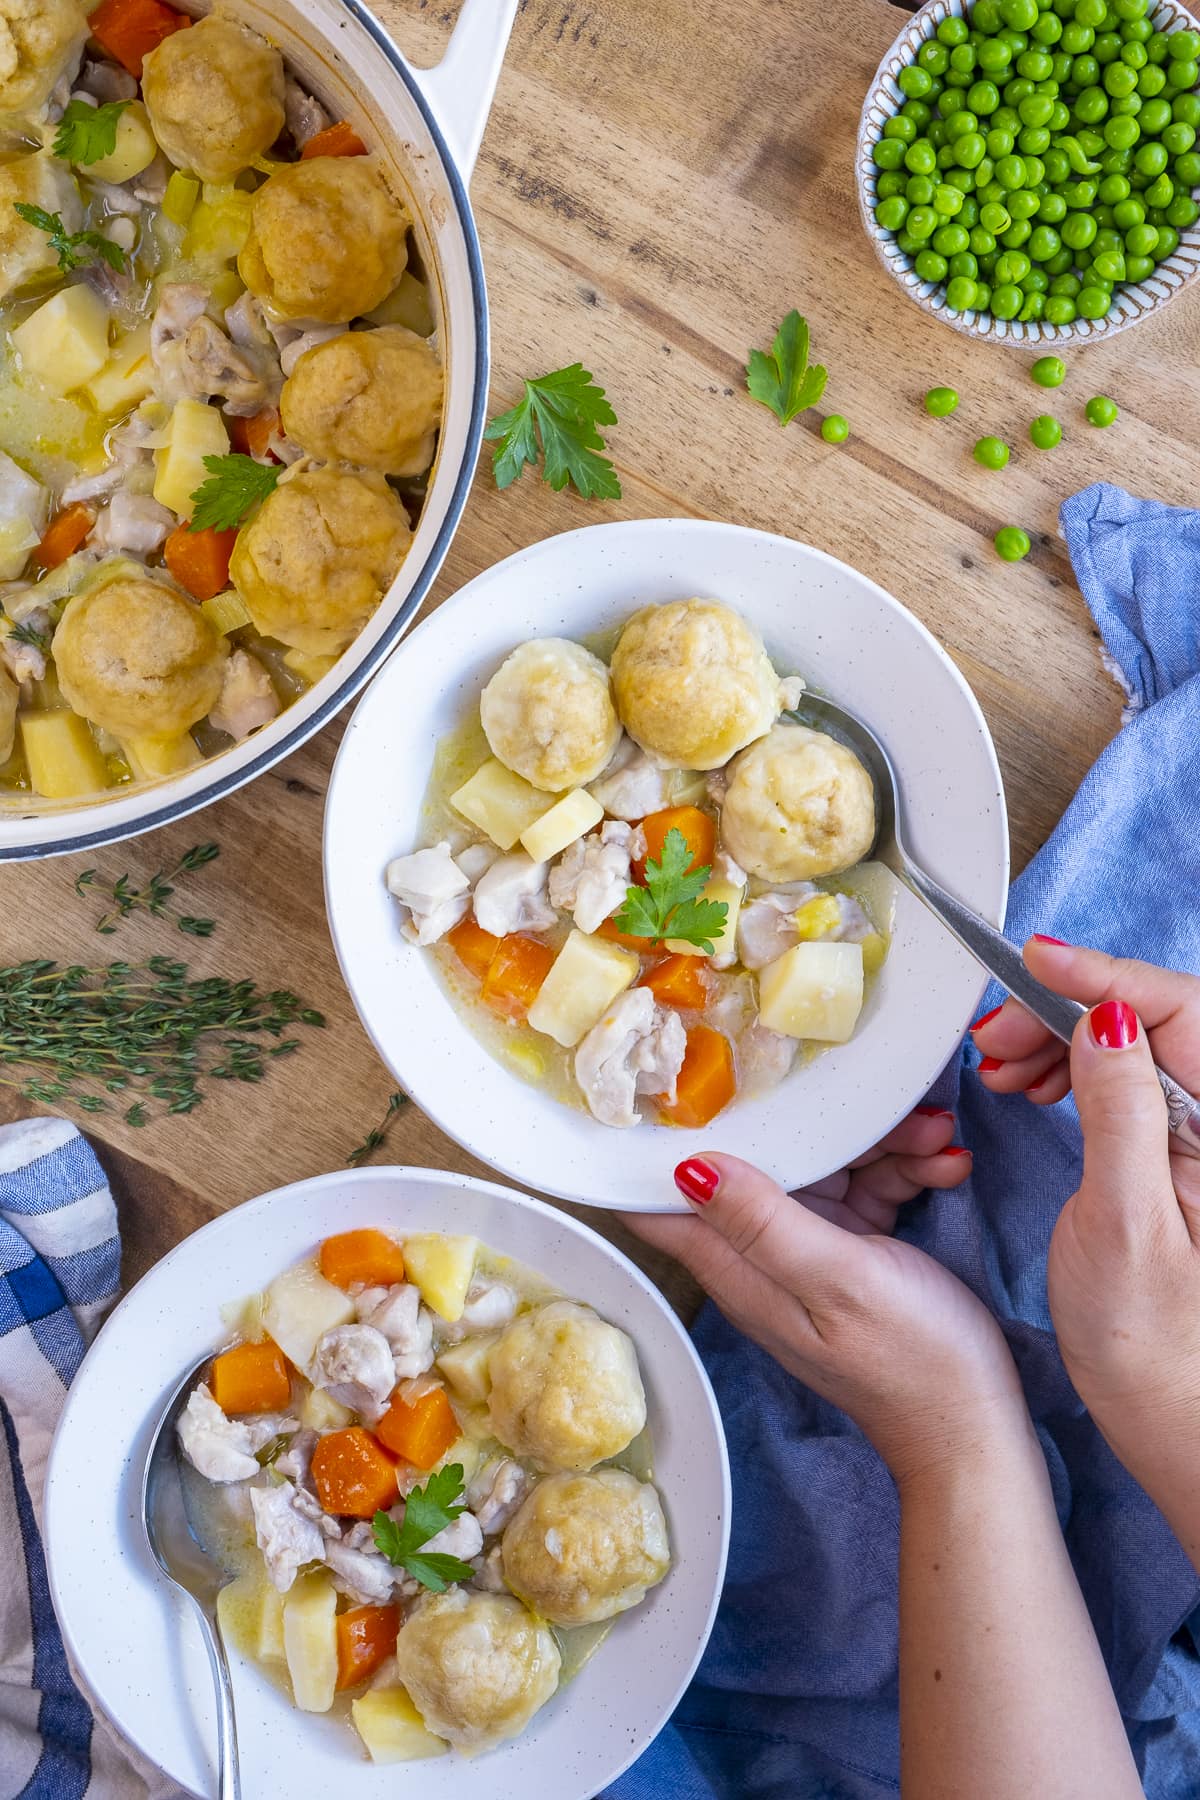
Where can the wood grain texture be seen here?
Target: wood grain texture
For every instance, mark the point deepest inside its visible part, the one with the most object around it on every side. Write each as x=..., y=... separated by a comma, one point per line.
x=659, y=183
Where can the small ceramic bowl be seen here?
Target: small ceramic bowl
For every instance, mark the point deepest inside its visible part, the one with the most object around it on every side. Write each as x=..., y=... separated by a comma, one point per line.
x=133, y=1638
x=1138, y=301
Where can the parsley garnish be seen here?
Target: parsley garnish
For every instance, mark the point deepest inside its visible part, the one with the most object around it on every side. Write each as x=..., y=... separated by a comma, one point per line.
x=427, y=1511
x=87, y=134
x=565, y=408
x=783, y=379
x=74, y=250
x=669, y=905
x=235, y=486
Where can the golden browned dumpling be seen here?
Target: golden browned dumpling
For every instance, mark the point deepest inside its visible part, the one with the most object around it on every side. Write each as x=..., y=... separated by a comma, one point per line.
x=798, y=805
x=39, y=41
x=214, y=94
x=314, y=563
x=586, y=1547
x=476, y=1666
x=137, y=658
x=566, y=1389
x=368, y=397
x=328, y=239
x=693, y=683
x=25, y=253
x=547, y=712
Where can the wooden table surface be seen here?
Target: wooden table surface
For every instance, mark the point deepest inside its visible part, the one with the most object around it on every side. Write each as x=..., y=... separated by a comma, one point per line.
x=660, y=182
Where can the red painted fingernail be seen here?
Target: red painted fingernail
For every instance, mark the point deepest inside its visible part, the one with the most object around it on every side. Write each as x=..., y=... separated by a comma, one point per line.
x=989, y=1065
x=987, y=1017
x=1039, y=937
x=698, y=1180
x=955, y=1150
x=1040, y=1082
x=1114, y=1025
x=934, y=1112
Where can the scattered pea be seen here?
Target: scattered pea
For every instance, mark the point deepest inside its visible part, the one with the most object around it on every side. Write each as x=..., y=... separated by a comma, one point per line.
x=1045, y=432
x=1012, y=543
x=1101, y=410
x=992, y=452
x=1050, y=371
x=835, y=429
x=940, y=402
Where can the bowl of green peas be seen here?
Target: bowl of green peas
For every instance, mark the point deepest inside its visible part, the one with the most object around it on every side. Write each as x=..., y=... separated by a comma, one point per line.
x=1027, y=169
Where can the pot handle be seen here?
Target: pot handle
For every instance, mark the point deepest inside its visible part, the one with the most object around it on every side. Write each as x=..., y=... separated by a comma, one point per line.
x=461, y=86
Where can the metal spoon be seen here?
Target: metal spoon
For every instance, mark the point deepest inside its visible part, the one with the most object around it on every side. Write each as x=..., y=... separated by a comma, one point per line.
x=986, y=944
x=184, y=1561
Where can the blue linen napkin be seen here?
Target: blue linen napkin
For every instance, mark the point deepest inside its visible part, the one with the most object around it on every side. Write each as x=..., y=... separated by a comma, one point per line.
x=60, y=1264
x=796, y=1698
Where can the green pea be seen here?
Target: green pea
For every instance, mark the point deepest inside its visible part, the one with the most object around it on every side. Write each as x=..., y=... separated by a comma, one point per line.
x=1049, y=371
x=918, y=189
x=1036, y=282
x=940, y=402
x=983, y=97
x=1045, y=432
x=1052, y=209
x=1012, y=268
x=960, y=294
x=1007, y=300
x=900, y=126
x=1179, y=137
x=1023, y=203
x=1044, y=242
x=1058, y=166
x=1060, y=118
x=1035, y=65
x=950, y=239
x=994, y=57
x=961, y=121
x=934, y=56
x=1154, y=117
x=1156, y=47
x=1151, y=159
x=1187, y=169
x=947, y=200
x=1107, y=47
x=982, y=242
x=1106, y=239
x=835, y=429
x=1019, y=15
x=1079, y=228
x=1141, y=240
x=1018, y=233
x=1092, y=105
x=963, y=262
x=1032, y=307
x=889, y=183
x=1093, y=302
x=1120, y=80
x=1168, y=242
x=1131, y=10
x=1089, y=144
x=970, y=150
x=1183, y=46
x=1047, y=29
x=968, y=212
x=1160, y=193
x=1133, y=55
x=1137, y=268
x=1077, y=38
x=914, y=81
x=1151, y=81
x=1079, y=195
x=1066, y=282
x=888, y=153
x=1109, y=266
x=1031, y=141
x=994, y=217
x=1182, y=212
x=983, y=297
x=1113, y=189
x=1091, y=12
x=1121, y=133
x=1101, y=411
x=1060, y=309
x=1186, y=108
x=1010, y=172
x=1128, y=213
x=930, y=266
x=922, y=222
x=891, y=214
x=1011, y=543
x=953, y=31
x=962, y=59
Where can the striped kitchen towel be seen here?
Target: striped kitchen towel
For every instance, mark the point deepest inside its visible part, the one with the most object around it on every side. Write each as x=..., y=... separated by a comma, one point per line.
x=60, y=1260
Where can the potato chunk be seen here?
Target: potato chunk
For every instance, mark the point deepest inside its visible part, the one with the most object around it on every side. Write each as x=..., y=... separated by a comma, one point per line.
x=568, y=819
x=813, y=990
x=441, y=1266
x=299, y=1307
x=310, y=1640
x=391, y=1727
x=500, y=803
x=65, y=342
x=587, y=976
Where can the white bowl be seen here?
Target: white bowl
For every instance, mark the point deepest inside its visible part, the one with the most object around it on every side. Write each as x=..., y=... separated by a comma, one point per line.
x=1135, y=302
x=819, y=619
x=132, y=1638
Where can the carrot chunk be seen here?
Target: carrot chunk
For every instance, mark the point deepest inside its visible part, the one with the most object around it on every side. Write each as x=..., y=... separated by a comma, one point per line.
x=340, y=139
x=678, y=981
x=250, y=437
x=707, y=1082
x=515, y=974
x=128, y=30
x=698, y=828
x=473, y=947
x=353, y=1473
x=371, y=1257
x=199, y=560
x=366, y=1637
x=639, y=945
x=64, y=534
x=421, y=1432
x=251, y=1378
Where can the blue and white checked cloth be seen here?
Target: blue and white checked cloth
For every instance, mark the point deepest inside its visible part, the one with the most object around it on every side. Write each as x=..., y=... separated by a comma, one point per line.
x=60, y=1264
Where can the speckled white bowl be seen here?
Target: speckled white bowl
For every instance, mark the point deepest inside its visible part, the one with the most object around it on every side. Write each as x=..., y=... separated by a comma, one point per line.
x=1133, y=303
x=820, y=619
x=132, y=1638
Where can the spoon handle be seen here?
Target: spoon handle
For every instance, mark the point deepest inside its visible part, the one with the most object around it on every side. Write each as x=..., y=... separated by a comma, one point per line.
x=1003, y=960
x=229, y=1781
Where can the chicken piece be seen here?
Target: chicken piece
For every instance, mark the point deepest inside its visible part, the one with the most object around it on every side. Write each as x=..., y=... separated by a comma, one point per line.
x=397, y=1314
x=24, y=662
x=767, y=924
x=246, y=325
x=791, y=689
x=489, y=1305
x=310, y=1507
x=285, y=1537
x=764, y=1058
x=366, y=1577
x=593, y=875
x=354, y=1364
x=433, y=888
x=247, y=700
x=489, y=1572
x=130, y=522
x=511, y=896
x=220, y=1448
x=462, y=1538
x=496, y=1493
x=476, y=860
x=853, y=924
x=128, y=450
x=296, y=1461
x=119, y=201
x=105, y=82
x=195, y=360
x=637, y=1048
x=150, y=187
x=24, y=509
x=631, y=786
x=298, y=343
x=305, y=116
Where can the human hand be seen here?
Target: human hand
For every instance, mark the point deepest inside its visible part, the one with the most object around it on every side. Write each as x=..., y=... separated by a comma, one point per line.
x=1124, y=1266
x=873, y=1325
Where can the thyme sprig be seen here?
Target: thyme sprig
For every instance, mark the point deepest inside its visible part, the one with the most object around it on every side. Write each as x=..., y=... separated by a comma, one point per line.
x=82, y=1034
x=155, y=896
x=378, y=1133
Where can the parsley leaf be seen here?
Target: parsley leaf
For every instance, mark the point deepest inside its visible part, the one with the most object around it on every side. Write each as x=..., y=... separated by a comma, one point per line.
x=565, y=408
x=76, y=249
x=427, y=1511
x=669, y=906
x=783, y=379
x=87, y=134
x=235, y=486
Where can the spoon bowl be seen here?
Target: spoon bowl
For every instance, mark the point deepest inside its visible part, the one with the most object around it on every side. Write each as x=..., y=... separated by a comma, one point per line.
x=185, y=1562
